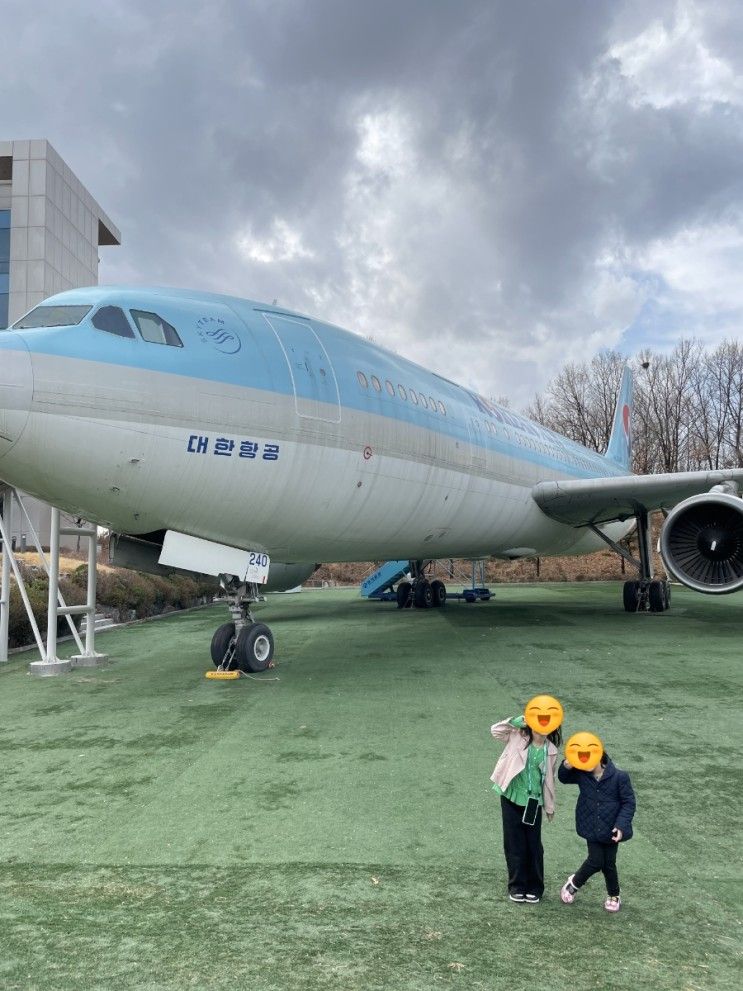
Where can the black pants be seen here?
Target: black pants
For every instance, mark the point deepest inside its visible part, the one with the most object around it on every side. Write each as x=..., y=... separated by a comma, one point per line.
x=522, y=846
x=601, y=857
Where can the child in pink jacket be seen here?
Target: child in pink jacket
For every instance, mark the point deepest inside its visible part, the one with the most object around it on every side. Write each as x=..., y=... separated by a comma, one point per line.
x=524, y=777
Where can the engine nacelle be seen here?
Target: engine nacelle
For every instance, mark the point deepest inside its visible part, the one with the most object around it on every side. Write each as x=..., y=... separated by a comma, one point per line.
x=702, y=543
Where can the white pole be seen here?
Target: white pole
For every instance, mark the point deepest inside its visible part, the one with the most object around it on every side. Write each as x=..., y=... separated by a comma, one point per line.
x=22, y=588
x=5, y=586
x=92, y=576
x=45, y=566
x=51, y=632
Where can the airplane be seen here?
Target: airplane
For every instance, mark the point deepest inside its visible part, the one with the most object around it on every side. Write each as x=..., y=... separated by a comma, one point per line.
x=225, y=436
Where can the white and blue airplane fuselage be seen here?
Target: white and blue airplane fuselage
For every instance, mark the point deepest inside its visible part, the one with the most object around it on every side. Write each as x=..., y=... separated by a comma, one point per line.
x=249, y=426
x=266, y=430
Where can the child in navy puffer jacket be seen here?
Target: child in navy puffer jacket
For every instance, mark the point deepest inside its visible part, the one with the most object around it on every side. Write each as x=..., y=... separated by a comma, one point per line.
x=603, y=817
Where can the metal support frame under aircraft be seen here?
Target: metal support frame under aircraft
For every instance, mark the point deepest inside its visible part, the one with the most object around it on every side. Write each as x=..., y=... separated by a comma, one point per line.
x=49, y=664
x=173, y=415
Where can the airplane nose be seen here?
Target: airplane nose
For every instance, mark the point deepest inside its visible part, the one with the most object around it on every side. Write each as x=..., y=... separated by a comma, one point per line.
x=16, y=389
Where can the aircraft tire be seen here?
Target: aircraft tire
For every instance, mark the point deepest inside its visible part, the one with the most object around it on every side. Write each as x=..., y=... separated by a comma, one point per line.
x=221, y=641
x=657, y=597
x=254, y=647
x=423, y=596
x=631, y=595
x=403, y=595
x=667, y=594
x=438, y=592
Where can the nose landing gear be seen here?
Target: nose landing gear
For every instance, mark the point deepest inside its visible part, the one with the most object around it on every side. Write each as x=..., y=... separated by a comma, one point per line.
x=243, y=644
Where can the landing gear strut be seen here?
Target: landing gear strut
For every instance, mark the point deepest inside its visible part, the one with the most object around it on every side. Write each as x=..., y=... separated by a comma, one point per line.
x=242, y=644
x=419, y=592
x=646, y=594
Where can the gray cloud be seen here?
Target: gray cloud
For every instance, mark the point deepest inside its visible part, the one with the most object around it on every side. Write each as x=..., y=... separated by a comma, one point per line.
x=486, y=187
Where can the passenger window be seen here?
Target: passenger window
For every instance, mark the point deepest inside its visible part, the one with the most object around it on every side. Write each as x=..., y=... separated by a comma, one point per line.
x=432, y=403
x=442, y=410
x=414, y=397
x=376, y=383
x=422, y=398
x=155, y=330
x=362, y=380
x=389, y=387
x=401, y=391
x=113, y=320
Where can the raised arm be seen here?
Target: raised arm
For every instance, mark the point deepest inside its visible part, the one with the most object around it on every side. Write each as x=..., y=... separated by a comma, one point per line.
x=567, y=774
x=503, y=729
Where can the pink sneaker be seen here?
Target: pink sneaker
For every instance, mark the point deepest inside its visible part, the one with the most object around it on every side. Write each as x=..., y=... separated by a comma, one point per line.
x=613, y=903
x=568, y=891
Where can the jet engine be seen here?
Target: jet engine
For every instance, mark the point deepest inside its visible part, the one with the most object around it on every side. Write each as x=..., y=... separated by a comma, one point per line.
x=702, y=543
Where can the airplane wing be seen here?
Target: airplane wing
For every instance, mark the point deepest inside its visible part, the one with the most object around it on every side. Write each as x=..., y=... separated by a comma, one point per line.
x=603, y=500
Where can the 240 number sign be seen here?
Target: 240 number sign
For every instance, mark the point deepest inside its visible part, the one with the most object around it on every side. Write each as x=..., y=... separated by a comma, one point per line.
x=258, y=565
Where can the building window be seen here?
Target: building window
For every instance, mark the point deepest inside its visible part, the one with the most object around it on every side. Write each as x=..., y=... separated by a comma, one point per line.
x=155, y=330
x=4, y=266
x=113, y=320
x=363, y=382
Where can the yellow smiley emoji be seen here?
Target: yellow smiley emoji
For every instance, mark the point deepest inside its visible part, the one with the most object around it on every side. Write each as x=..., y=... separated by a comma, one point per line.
x=583, y=751
x=543, y=714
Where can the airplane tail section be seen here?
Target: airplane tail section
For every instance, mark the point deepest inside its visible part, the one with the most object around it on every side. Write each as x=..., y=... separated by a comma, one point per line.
x=620, y=443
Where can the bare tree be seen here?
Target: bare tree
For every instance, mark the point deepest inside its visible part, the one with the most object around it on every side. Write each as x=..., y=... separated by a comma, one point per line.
x=688, y=405
x=580, y=401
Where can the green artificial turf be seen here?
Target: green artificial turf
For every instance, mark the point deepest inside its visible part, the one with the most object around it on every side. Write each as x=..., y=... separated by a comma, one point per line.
x=330, y=824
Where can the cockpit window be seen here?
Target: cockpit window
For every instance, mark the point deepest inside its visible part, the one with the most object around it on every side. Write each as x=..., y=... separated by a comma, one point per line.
x=52, y=316
x=113, y=320
x=156, y=330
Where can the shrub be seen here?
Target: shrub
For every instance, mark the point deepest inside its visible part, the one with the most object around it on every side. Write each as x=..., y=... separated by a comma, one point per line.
x=20, y=632
x=120, y=591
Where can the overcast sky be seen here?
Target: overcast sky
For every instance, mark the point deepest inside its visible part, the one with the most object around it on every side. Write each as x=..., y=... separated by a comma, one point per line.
x=489, y=188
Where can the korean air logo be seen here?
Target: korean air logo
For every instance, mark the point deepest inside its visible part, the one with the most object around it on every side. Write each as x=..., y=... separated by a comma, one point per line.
x=627, y=426
x=626, y=420
x=214, y=332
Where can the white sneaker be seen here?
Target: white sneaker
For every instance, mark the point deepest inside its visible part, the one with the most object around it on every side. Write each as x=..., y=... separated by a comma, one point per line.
x=568, y=891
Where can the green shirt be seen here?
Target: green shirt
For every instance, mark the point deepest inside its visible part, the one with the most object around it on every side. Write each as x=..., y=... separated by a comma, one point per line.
x=528, y=783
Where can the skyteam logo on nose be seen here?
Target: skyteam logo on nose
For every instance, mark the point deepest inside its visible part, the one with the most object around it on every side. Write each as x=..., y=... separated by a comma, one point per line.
x=212, y=331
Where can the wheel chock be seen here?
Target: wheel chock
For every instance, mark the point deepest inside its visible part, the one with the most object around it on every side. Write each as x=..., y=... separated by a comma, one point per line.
x=222, y=675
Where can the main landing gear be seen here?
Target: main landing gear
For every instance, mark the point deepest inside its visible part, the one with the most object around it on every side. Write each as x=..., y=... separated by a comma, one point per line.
x=419, y=592
x=243, y=644
x=643, y=594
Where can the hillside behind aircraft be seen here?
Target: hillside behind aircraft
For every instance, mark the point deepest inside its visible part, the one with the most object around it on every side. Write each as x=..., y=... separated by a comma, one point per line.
x=224, y=436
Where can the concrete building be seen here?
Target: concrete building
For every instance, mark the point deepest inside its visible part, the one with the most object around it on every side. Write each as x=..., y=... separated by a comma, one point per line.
x=50, y=231
x=50, y=228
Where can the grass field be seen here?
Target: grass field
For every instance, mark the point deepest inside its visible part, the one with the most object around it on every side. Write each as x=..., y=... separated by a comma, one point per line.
x=330, y=826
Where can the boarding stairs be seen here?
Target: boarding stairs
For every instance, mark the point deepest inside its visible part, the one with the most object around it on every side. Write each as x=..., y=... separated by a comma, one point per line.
x=382, y=580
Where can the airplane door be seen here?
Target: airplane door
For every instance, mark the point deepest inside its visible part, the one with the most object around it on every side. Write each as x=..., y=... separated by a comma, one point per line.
x=313, y=377
x=477, y=450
